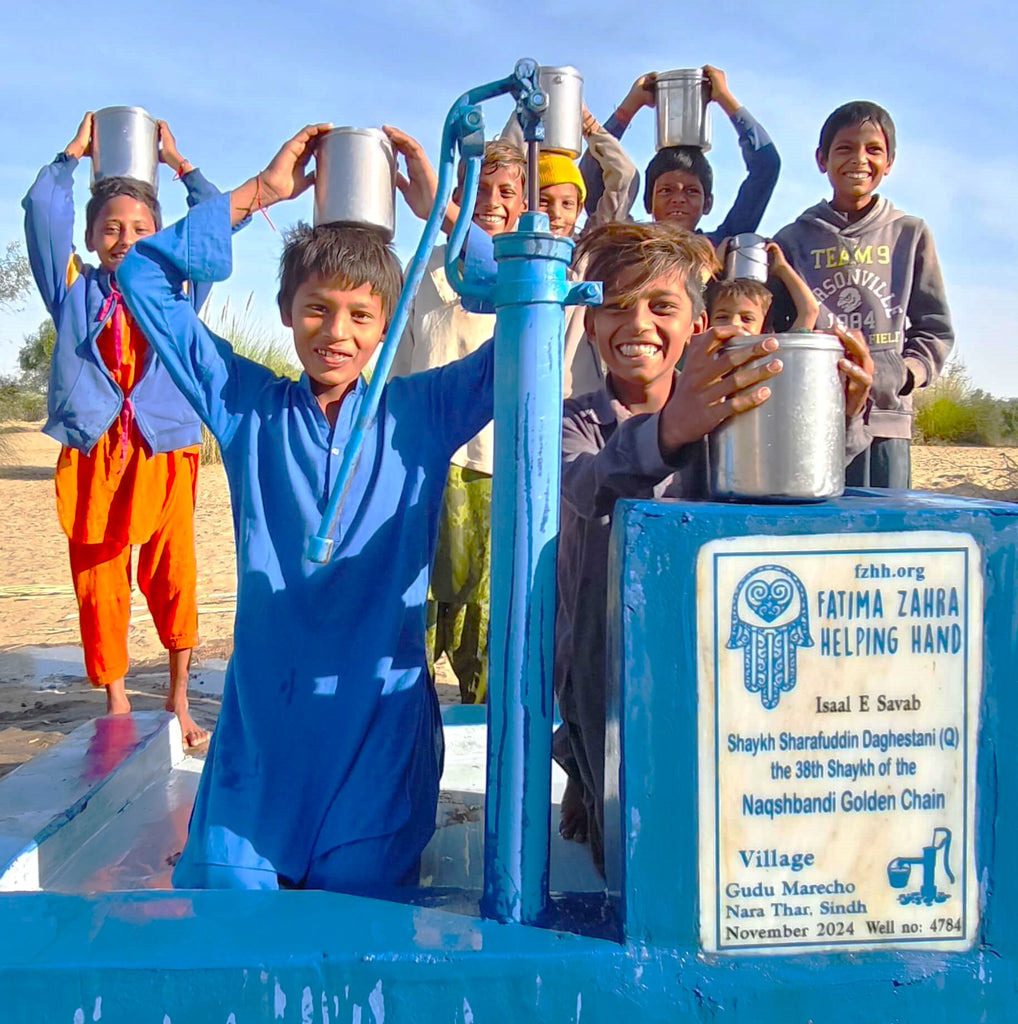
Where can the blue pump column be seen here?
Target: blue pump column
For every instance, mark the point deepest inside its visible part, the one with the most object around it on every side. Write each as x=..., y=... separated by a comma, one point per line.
x=531, y=292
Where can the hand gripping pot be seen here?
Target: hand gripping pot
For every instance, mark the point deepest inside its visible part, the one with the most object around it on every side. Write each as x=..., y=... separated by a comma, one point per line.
x=791, y=448
x=746, y=259
x=683, y=115
x=563, y=120
x=355, y=179
x=125, y=144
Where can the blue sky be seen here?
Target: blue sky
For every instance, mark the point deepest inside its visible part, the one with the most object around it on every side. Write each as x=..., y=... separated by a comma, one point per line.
x=235, y=80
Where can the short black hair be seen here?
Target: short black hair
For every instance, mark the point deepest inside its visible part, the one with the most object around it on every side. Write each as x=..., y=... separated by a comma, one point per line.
x=349, y=254
x=857, y=112
x=740, y=288
x=677, y=158
x=106, y=189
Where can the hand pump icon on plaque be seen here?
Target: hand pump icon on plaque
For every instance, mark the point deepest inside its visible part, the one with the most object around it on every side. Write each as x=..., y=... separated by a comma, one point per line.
x=770, y=619
x=900, y=868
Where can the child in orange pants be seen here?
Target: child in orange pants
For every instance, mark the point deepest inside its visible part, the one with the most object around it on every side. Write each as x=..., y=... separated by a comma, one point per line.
x=128, y=465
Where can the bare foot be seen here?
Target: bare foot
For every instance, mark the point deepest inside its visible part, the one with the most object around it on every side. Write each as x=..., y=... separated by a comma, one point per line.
x=573, y=813
x=116, y=698
x=194, y=735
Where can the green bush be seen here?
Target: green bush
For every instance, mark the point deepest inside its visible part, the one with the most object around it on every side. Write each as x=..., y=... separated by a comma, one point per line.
x=20, y=403
x=952, y=411
x=35, y=354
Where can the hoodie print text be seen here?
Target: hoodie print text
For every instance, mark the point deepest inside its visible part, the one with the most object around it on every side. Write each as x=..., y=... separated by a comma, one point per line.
x=853, y=290
x=878, y=275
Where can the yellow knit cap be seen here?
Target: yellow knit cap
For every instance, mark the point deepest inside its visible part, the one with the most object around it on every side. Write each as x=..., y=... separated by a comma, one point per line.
x=559, y=169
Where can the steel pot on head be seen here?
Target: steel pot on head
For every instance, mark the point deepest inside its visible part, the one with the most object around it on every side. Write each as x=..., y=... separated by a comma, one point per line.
x=355, y=179
x=683, y=114
x=125, y=144
x=791, y=448
x=746, y=258
x=563, y=120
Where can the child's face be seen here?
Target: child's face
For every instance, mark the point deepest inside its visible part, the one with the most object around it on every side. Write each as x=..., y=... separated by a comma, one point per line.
x=121, y=222
x=857, y=163
x=501, y=199
x=562, y=204
x=335, y=331
x=679, y=199
x=740, y=312
x=641, y=340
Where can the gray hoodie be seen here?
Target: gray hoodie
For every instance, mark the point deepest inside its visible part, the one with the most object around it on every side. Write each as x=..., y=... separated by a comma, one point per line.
x=878, y=275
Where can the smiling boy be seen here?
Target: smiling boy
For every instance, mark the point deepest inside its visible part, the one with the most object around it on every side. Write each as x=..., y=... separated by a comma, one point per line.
x=643, y=435
x=127, y=471
x=323, y=771
x=874, y=269
x=679, y=180
x=744, y=304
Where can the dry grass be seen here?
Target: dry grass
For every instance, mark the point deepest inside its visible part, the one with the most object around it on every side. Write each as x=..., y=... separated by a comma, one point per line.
x=253, y=340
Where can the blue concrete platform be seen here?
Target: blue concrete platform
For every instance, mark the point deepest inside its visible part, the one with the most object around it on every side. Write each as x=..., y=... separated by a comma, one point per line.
x=107, y=810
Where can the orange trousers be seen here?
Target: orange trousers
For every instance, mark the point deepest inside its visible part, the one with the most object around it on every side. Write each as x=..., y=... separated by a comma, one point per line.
x=166, y=576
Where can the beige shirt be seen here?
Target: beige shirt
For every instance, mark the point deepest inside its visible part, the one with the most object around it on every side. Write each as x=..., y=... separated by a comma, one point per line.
x=440, y=331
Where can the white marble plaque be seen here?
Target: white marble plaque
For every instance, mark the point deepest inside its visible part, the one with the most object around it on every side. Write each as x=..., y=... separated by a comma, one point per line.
x=838, y=687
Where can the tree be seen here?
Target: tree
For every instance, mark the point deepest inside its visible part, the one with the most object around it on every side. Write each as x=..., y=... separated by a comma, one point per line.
x=15, y=276
x=35, y=354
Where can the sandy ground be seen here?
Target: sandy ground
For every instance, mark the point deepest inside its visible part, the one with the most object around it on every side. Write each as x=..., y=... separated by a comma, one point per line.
x=42, y=692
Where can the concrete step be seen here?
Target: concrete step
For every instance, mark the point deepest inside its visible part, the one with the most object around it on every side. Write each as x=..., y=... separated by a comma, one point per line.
x=52, y=805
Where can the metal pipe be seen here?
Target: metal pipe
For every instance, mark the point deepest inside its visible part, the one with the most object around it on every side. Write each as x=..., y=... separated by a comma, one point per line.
x=529, y=298
x=533, y=176
x=458, y=237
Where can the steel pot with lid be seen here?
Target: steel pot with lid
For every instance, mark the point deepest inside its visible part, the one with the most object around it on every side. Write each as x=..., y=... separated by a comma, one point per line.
x=563, y=120
x=125, y=144
x=683, y=114
x=746, y=258
x=791, y=448
x=355, y=179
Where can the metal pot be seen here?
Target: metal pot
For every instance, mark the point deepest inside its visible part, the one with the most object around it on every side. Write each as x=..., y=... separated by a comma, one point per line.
x=355, y=179
x=563, y=120
x=683, y=117
x=125, y=144
x=791, y=448
x=746, y=258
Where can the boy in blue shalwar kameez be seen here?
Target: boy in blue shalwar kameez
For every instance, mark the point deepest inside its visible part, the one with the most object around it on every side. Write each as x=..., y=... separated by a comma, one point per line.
x=324, y=768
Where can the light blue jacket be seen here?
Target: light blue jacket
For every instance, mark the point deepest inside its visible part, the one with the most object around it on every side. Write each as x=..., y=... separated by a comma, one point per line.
x=329, y=731
x=83, y=399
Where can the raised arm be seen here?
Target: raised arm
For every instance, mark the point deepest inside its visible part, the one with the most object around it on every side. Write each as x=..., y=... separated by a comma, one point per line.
x=199, y=190
x=759, y=155
x=419, y=185
x=620, y=179
x=202, y=365
x=807, y=308
x=217, y=383
x=641, y=94
x=49, y=219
